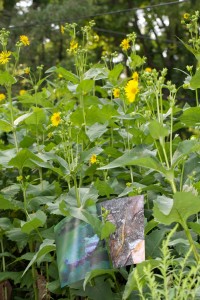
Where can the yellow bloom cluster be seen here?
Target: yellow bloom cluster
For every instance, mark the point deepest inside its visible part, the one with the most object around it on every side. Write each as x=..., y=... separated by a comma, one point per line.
x=5, y=57
x=2, y=97
x=73, y=46
x=56, y=119
x=131, y=90
x=93, y=159
x=25, y=40
x=116, y=92
x=125, y=44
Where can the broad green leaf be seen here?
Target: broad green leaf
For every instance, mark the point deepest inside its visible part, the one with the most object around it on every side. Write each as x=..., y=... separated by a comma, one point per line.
x=153, y=242
x=103, y=187
x=5, y=223
x=67, y=75
x=184, y=148
x=23, y=159
x=140, y=156
x=195, y=227
x=85, y=86
x=96, y=130
x=38, y=116
x=37, y=219
x=195, y=81
x=164, y=204
x=149, y=226
x=8, y=204
x=94, y=273
x=185, y=204
x=96, y=73
x=22, y=118
x=191, y=116
x=114, y=73
x=107, y=229
x=46, y=247
x=15, y=276
x=86, y=155
x=157, y=130
x=6, y=79
x=5, y=126
x=5, y=156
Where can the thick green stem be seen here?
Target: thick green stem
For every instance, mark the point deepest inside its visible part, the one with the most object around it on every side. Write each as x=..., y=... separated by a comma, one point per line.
x=171, y=131
x=190, y=239
x=12, y=117
x=34, y=275
x=5, y=291
x=197, y=97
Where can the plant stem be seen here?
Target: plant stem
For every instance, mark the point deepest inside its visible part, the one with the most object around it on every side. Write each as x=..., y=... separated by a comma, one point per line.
x=33, y=270
x=8, y=88
x=5, y=291
x=190, y=239
x=197, y=98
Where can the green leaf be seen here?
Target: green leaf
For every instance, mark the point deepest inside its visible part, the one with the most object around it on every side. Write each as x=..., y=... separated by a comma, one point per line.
x=37, y=219
x=23, y=159
x=38, y=116
x=5, y=126
x=185, y=204
x=8, y=204
x=67, y=75
x=6, y=79
x=96, y=73
x=46, y=247
x=22, y=118
x=107, y=229
x=195, y=227
x=104, y=189
x=195, y=81
x=140, y=156
x=94, y=273
x=164, y=204
x=153, y=242
x=184, y=148
x=114, y=73
x=85, y=86
x=157, y=130
x=15, y=276
x=96, y=130
x=5, y=223
x=191, y=116
x=149, y=226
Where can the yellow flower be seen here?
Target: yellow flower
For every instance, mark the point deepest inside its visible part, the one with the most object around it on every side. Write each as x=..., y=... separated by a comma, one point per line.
x=24, y=39
x=55, y=119
x=131, y=90
x=4, y=57
x=93, y=159
x=148, y=70
x=135, y=76
x=73, y=46
x=125, y=44
x=62, y=29
x=186, y=16
x=2, y=97
x=22, y=92
x=27, y=70
x=116, y=92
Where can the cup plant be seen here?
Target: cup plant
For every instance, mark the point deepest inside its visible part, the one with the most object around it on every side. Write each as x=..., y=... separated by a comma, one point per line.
x=72, y=138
